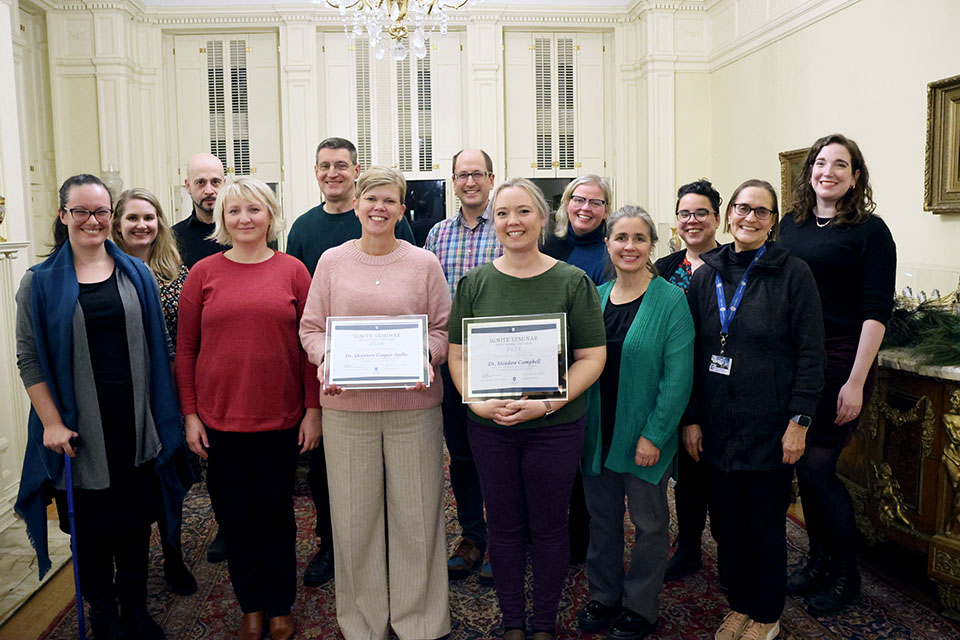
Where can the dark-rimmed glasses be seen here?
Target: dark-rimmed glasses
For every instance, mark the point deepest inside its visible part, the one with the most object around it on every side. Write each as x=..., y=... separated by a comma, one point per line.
x=81, y=215
x=699, y=214
x=743, y=210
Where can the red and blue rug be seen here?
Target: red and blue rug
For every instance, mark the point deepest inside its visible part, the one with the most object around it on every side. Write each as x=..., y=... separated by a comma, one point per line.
x=691, y=608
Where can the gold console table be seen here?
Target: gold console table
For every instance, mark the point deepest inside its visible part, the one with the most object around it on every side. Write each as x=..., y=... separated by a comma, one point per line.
x=903, y=466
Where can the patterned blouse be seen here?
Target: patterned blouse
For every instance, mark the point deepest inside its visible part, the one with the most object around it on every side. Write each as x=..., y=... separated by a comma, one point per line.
x=682, y=275
x=170, y=300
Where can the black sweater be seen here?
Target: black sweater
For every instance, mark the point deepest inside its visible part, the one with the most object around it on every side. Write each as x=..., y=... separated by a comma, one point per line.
x=776, y=343
x=855, y=268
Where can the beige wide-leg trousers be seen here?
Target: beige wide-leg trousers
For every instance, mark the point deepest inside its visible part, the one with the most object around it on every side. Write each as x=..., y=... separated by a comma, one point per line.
x=402, y=452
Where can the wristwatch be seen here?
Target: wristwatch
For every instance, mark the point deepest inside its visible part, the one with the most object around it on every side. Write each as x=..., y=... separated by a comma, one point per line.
x=802, y=420
x=548, y=407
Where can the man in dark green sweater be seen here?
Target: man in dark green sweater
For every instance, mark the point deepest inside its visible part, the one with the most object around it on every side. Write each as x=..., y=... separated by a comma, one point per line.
x=332, y=222
x=327, y=225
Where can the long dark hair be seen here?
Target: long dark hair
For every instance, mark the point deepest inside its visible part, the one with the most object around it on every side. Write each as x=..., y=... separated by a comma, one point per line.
x=60, y=234
x=855, y=206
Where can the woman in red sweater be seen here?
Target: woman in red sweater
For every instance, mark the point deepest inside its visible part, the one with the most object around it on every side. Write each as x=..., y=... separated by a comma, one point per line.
x=245, y=386
x=384, y=447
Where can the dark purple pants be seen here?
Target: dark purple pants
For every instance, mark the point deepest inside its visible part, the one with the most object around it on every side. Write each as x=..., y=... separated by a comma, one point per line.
x=526, y=476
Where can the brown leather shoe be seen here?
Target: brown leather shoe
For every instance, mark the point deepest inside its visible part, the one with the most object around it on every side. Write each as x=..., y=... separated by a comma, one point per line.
x=281, y=628
x=251, y=626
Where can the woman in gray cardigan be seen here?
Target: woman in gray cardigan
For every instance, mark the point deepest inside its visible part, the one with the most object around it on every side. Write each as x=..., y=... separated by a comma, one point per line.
x=92, y=353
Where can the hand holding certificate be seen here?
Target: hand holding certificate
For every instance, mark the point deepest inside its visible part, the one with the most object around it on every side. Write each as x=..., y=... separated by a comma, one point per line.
x=511, y=357
x=376, y=352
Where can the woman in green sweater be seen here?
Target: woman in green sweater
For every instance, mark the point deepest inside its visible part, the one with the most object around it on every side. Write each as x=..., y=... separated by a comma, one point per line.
x=633, y=414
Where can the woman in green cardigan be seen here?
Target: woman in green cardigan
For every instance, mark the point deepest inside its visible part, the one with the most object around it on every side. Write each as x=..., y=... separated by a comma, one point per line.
x=633, y=413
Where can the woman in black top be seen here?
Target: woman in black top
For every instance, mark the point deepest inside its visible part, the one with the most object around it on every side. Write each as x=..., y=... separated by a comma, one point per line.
x=853, y=259
x=92, y=353
x=755, y=373
x=698, y=217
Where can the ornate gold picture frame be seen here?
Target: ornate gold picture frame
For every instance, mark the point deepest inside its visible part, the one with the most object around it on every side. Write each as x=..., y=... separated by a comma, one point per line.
x=791, y=165
x=941, y=175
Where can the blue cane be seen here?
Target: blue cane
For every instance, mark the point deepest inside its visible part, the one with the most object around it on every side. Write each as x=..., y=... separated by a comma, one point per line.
x=68, y=472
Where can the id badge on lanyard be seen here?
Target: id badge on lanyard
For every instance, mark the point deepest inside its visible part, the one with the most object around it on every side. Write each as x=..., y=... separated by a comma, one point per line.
x=720, y=362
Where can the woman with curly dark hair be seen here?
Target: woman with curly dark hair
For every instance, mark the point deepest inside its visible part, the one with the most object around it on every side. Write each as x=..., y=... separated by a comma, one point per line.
x=853, y=259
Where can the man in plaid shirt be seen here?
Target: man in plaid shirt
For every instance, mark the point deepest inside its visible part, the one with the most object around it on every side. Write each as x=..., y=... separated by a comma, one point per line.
x=462, y=243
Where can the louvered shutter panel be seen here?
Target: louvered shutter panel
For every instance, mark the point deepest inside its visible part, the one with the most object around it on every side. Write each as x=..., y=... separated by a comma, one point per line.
x=543, y=74
x=566, y=115
x=239, y=107
x=425, y=112
x=216, y=102
x=364, y=122
x=404, y=117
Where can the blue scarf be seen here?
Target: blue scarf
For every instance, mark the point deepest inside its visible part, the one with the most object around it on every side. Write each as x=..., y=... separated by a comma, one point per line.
x=53, y=300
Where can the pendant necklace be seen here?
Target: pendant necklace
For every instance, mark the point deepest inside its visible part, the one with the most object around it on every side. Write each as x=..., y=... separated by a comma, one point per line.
x=378, y=276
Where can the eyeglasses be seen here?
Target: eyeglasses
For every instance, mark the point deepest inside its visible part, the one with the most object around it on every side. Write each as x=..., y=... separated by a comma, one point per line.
x=699, y=214
x=596, y=203
x=466, y=175
x=743, y=210
x=81, y=215
x=338, y=166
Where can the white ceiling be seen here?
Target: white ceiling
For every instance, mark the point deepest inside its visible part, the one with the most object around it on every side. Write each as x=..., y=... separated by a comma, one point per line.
x=471, y=4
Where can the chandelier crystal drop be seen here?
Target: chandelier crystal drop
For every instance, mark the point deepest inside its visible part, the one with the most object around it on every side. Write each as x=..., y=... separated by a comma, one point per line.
x=399, y=19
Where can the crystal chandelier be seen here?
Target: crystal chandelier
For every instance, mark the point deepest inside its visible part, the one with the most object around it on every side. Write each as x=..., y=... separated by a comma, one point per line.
x=397, y=18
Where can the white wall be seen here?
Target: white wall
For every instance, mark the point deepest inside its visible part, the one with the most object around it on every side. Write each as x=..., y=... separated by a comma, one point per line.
x=862, y=71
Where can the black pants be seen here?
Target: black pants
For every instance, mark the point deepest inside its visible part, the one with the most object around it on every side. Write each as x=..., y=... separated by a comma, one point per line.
x=320, y=492
x=114, y=566
x=692, y=495
x=251, y=475
x=464, y=480
x=749, y=512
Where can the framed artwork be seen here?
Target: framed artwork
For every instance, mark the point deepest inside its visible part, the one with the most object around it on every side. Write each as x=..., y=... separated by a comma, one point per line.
x=791, y=165
x=941, y=174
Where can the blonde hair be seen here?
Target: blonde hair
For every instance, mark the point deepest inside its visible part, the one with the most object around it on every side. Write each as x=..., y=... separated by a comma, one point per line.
x=561, y=214
x=539, y=202
x=250, y=190
x=379, y=176
x=164, y=260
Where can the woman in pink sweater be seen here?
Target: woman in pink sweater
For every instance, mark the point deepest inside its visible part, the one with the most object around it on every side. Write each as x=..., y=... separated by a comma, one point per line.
x=245, y=386
x=384, y=443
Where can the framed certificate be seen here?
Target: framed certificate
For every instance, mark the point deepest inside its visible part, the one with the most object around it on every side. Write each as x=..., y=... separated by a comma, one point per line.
x=507, y=357
x=376, y=352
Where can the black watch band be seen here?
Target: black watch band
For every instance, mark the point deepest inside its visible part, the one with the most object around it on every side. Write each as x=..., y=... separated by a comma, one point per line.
x=802, y=420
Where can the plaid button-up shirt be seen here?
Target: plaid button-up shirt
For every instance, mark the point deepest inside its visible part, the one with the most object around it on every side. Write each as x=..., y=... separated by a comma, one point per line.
x=460, y=248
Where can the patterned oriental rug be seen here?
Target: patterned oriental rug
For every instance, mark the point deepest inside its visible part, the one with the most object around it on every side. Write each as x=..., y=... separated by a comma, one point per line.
x=690, y=609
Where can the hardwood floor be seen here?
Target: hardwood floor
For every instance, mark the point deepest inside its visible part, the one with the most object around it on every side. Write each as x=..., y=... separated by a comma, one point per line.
x=40, y=610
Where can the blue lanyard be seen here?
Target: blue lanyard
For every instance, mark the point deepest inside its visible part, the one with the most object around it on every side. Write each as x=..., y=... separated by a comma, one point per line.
x=726, y=317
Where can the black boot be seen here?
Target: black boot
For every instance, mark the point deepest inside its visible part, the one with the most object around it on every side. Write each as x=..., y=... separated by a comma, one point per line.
x=842, y=589
x=812, y=576
x=686, y=559
x=105, y=621
x=138, y=624
x=175, y=571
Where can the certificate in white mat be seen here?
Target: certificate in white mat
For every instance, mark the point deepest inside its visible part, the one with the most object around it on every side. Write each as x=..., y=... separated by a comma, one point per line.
x=515, y=356
x=376, y=352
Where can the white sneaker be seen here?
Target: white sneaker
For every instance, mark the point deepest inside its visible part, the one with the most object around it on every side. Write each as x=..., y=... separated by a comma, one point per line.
x=761, y=631
x=732, y=626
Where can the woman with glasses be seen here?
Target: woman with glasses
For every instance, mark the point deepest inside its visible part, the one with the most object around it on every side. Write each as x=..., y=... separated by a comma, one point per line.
x=141, y=230
x=527, y=451
x=853, y=259
x=698, y=217
x=93, y=355
x=250, y=398
x=578, y=239
x=631, y=437
x=758, y=370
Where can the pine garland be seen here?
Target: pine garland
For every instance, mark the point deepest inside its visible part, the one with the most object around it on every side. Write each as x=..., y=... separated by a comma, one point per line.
x=931, y=329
